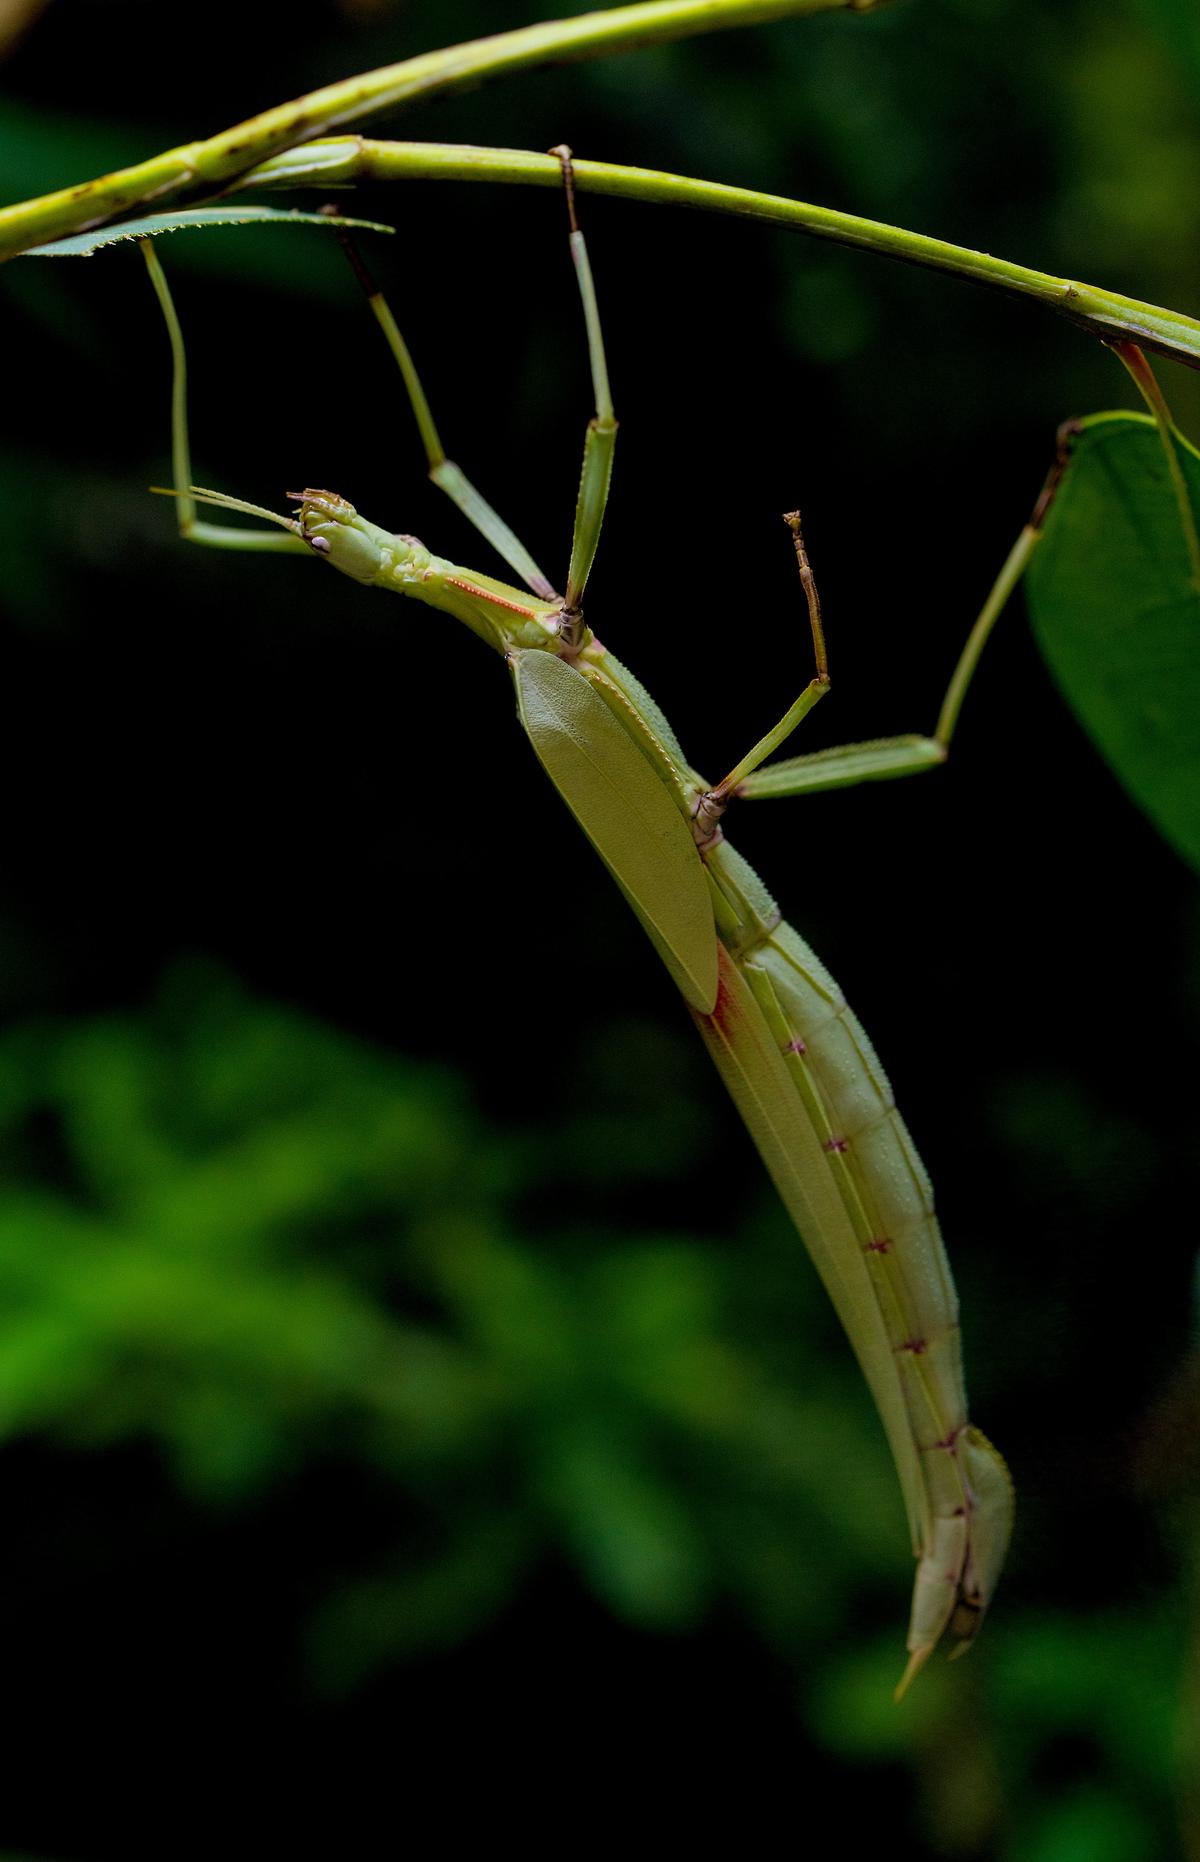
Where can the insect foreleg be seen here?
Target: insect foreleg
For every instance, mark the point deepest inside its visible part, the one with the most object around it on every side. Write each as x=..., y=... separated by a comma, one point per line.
x=191, y=528
x=601, y=437
x=446, y=475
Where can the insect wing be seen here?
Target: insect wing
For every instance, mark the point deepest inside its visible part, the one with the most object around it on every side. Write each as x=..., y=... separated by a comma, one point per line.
x=628, y=815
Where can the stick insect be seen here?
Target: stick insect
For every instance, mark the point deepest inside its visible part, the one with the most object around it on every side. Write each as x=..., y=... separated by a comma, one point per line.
x=793, y=1056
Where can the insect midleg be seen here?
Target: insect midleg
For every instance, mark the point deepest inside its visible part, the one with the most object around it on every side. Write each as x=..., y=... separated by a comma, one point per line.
x=712, y=806
x=908, y=755
x=217, y=536
x=445, y=474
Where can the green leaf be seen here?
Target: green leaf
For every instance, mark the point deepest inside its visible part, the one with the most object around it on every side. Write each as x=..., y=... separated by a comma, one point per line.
x=1117, y=615
x=82, y=245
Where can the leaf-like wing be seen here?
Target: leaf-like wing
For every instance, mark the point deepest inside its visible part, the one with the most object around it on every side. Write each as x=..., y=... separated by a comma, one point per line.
x=627, y=813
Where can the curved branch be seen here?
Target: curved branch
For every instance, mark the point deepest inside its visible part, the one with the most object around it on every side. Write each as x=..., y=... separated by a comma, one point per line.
x=199, y=168
x=1106, y=314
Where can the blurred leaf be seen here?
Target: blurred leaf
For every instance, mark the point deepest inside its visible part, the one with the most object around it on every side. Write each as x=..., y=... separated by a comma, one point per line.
x=1179, y=23
x=1093, y=1824
x=1106, y=1686
x=628, y=1530
x=1118, y=618
x=1063, y=1131
x=370, y=1623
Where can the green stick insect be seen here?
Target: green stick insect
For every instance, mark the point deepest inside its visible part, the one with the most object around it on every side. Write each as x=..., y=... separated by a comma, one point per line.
x=795, y=1060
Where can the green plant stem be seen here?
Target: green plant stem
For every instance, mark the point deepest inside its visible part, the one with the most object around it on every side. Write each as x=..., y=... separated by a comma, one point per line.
x=1107, y=314
x=200, y=168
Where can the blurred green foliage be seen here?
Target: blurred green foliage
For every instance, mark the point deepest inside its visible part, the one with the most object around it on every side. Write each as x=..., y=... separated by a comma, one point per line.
x=216, y=1221
x=259, y=1246
x=380, y=1445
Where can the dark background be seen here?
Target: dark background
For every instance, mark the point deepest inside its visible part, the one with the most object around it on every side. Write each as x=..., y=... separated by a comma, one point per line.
x=415, y=1405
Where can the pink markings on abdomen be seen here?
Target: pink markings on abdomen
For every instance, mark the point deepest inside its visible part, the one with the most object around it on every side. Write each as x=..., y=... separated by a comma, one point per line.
x=725, y=1010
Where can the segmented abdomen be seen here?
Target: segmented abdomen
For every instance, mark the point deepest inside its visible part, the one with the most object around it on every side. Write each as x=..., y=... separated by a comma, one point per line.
x=882, y=1192
x=883, y=1186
